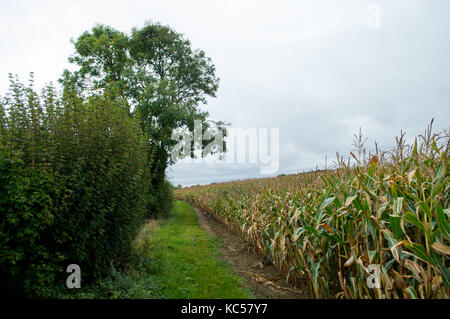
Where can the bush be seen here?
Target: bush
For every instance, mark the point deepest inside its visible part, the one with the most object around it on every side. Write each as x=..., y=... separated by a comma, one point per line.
x=72, y=175
x=162, y=200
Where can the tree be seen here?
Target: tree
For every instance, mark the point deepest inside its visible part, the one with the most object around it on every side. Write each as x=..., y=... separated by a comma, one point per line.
x=162, y=80
x=102, y=57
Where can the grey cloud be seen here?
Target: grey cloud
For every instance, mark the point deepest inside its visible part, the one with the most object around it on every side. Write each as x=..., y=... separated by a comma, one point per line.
x=311, y=68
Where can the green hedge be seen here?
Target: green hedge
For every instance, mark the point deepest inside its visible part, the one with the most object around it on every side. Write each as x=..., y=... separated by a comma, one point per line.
x=73, y=175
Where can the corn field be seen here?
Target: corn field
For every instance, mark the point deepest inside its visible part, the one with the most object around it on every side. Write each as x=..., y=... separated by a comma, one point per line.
x=374, y=226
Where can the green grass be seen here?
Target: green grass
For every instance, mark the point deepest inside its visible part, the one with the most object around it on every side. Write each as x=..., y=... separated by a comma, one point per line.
x=187, y=260
x=174, y=258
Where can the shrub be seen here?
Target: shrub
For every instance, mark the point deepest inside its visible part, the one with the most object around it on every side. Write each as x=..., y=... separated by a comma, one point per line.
x=73, y=175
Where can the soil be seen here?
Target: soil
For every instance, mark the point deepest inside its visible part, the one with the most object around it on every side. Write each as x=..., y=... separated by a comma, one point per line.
x=260, y=276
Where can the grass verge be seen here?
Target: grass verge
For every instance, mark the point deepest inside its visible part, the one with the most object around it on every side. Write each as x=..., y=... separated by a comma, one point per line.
x=187, y=260
x=175, y=259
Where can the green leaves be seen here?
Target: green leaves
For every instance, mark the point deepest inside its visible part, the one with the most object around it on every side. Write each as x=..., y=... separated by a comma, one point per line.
x=74, y=186
x=442, y=221
x=155, y=70
x=315, y=267
x=102, y=57
x=412, y=219
x=444, y=271
x=419, y=251
x=327, y=202
x=394, y=222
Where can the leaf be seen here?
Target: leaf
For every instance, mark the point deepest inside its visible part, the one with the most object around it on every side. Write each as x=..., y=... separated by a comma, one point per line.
x=397, y=253
x=411, y=175
x=388, y=235
x=349, y=200
x=393, y=244
x=419, y=251
x=394, y=222
x=372, y=254
x=416, y=269
x=399, y=279
x=388, y=281
x=425, y=208
x=398, y=206
x=442, y=221
x=411, y=292
x=327, y=202
x=441, y=248
x=439, y=174
x=412, y=219
x=328, y=228
x=315, y=273
x=349, y=262
x=444, y=271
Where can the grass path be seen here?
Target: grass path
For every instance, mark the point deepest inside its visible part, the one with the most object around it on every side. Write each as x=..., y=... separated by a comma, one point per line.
x=175, y=259
x=187, y=263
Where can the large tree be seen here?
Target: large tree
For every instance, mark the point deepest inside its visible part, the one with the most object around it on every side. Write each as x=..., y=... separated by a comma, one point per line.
x=161, y=79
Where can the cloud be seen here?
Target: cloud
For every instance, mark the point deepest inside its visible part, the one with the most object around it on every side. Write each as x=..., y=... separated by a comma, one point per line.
x=310, y=68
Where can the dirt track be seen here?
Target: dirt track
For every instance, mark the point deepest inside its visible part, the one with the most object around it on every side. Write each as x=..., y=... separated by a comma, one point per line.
x=260, y=277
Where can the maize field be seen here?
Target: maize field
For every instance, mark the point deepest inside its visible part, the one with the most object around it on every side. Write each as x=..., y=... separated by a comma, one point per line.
x=374, y=226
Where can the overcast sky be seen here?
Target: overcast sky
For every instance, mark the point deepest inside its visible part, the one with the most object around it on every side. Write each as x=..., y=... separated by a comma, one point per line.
x=317, y=70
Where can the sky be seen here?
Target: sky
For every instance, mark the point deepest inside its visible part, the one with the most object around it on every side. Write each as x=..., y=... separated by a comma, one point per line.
x=315, y=70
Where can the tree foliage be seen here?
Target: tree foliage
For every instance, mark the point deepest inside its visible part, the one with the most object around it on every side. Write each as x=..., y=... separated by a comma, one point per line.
x=161, y=79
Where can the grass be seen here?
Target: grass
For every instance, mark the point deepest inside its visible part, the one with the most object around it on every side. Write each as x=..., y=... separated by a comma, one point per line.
x=187, y=260
x=175, y=259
